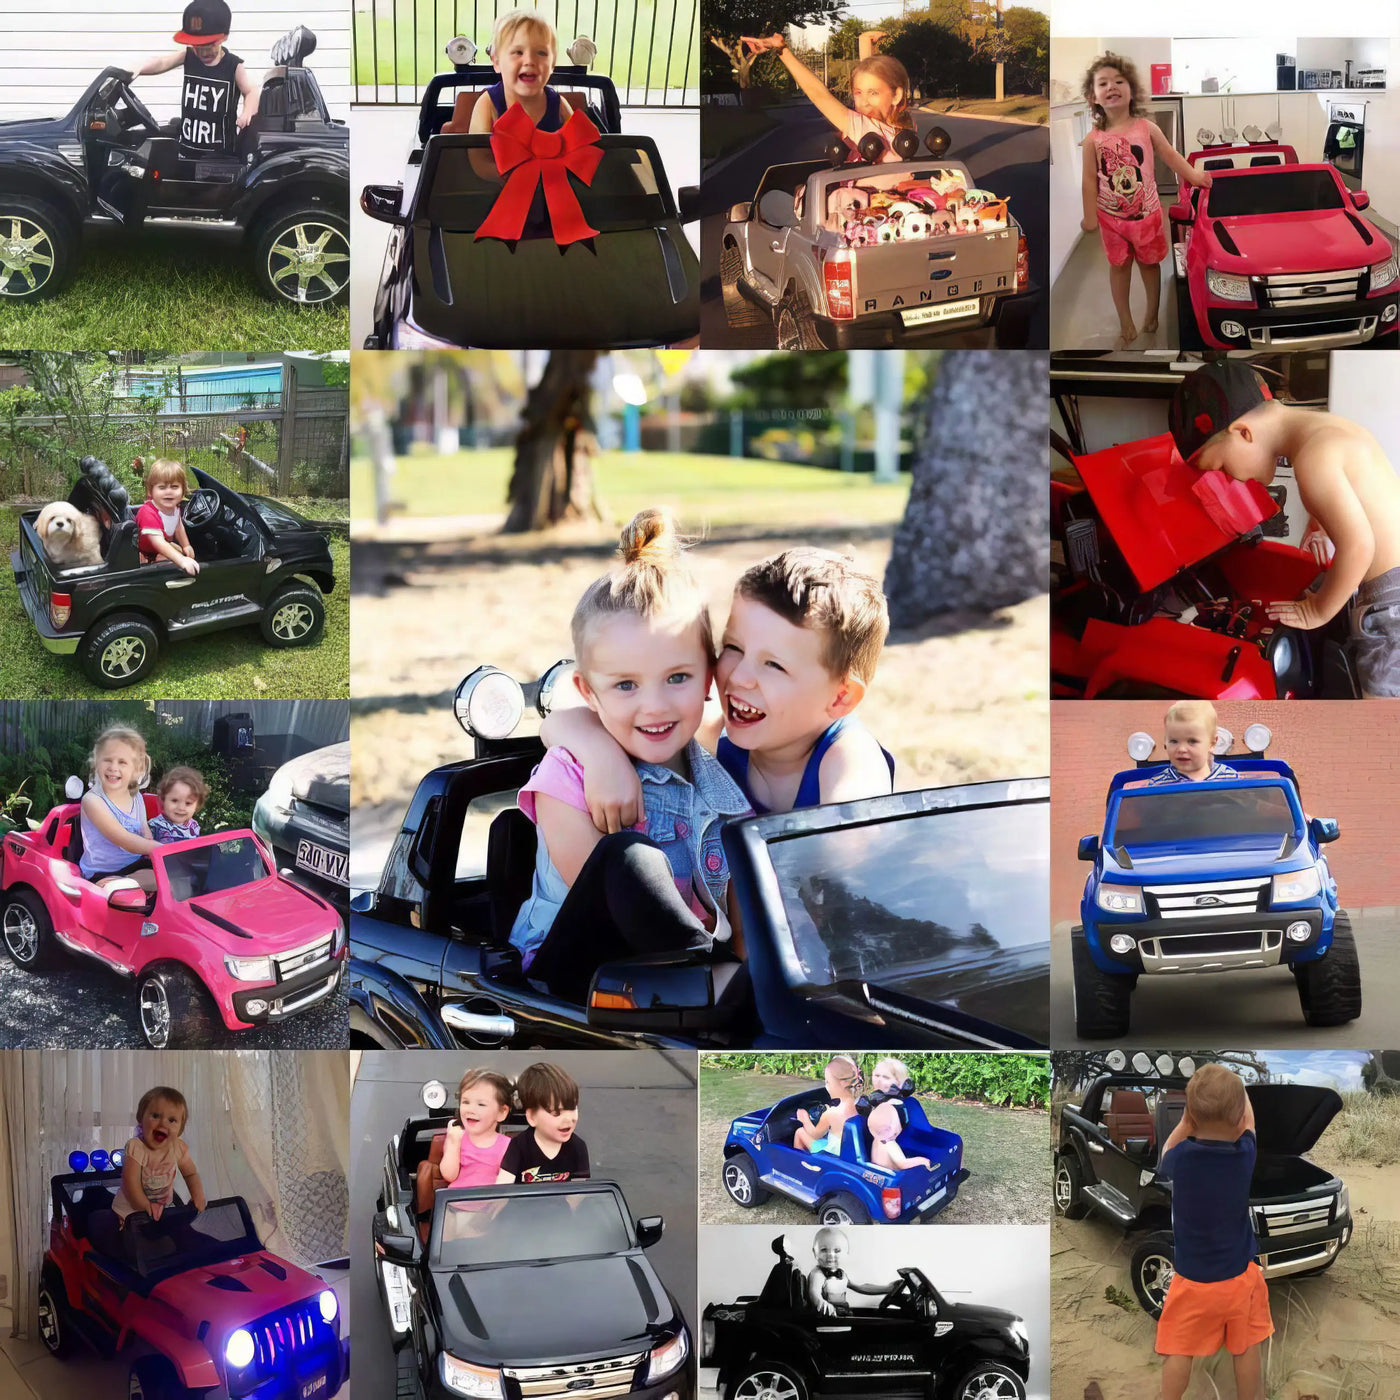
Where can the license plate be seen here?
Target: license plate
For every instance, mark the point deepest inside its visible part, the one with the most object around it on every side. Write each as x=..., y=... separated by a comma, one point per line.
x=315, y=1387
x=321, y=860
x=949, y=311
x=930, y=1200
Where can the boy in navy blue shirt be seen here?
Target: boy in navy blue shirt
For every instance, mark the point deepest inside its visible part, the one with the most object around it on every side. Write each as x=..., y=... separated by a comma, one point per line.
x=1217, y=1296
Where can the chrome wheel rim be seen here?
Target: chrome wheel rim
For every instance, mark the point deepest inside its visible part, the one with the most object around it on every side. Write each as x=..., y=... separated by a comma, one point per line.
x=1156, y=1274
x=309, y=262
x=736, y=1182
x=123, y=657
x=990, y=1385
x=21, y=933
x=1063, y=1190
x=836, y=1215
x=26, y=257
x=155, y=1014
x=48, y=1322
x=292, y=620
x=767, y=1385
x=134, y=1390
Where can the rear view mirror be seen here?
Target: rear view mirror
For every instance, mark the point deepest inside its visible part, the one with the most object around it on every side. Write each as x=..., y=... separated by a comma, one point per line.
x=660, y=993
x=394, y=1247
x=382, y=202
x=1088, y=848
x=649, y=1228
x=1361, y=199
x=1324, y=829
x=129, y=901
x=688, y=203
x=740, y=213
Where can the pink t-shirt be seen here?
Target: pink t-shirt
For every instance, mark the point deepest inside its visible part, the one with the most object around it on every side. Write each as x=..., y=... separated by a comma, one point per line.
x=478, y=1165
x=1127, y=180
x=858, y=125
x=158, y=1168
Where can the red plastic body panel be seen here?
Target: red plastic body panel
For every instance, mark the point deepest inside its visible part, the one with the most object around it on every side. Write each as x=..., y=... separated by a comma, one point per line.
x=1177, y=656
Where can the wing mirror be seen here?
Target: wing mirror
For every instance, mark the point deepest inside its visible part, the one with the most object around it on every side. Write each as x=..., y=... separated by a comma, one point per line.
x=688, y=202
x=1088, y=848
x=382, y=202
x=394, y=1247
x=660, y=992
x=1324, y=829
x=126, y=900
x=649, y=1228
x=740, y=213
x=1361, y=199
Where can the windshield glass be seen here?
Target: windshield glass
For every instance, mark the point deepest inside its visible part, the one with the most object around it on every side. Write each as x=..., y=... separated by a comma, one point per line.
x=183, y=1239
x=907, y=902
x=224, y=865
x=1160, y=817
x=530, y=1226
x=624, y=192
x=1273, y=192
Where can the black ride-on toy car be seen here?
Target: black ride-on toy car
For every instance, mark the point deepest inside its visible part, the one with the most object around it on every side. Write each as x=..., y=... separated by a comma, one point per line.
x=284, y=190
x=1111, y=1142
x=261, y=564
x=915, y=1345
x=540, y=1290
x=918, y=919
x=636, y=282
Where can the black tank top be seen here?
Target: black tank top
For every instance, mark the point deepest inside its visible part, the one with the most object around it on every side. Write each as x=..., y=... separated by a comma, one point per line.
x=208, y=106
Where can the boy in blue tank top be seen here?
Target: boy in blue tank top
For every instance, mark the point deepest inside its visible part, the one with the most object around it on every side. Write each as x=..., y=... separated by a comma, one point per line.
x=523, y=47
x=805, y=632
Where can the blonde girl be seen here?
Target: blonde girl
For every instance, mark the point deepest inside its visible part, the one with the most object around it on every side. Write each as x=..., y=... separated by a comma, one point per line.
x=116, y=838
x=888, y=1075
x=843, y=1082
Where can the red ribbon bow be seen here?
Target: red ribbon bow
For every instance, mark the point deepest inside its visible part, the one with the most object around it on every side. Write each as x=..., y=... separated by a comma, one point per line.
x=527, y=156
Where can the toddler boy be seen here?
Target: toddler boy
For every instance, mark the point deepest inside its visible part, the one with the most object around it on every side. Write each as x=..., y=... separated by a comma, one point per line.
x=827, y=1283
x=550, y=1151
x=1190, y=740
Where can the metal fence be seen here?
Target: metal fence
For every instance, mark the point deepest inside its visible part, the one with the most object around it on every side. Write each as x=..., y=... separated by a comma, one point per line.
x=649, y=48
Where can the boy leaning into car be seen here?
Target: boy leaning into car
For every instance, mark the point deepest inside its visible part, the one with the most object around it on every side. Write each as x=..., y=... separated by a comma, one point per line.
x=1218, y=1296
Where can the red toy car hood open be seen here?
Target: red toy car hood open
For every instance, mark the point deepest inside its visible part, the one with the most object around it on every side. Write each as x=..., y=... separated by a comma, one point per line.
x=1163, y=515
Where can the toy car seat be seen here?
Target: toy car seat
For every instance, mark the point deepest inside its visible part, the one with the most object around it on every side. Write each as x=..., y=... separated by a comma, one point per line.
x=1128, y=1117
x=1170, y=1107
x=459, y=123
x=427, y=1179
x=510, y=859
x=786, y=1287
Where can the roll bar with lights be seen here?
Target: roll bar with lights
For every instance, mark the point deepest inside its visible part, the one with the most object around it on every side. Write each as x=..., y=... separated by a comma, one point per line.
x=1257, y=738
x=1143, y=1063
x=489, y=704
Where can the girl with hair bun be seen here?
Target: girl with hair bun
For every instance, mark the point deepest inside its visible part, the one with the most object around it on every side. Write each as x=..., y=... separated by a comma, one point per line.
x=644, y=658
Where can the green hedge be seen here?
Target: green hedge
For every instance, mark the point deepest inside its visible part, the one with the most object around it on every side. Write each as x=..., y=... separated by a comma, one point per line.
x=1004, y=1079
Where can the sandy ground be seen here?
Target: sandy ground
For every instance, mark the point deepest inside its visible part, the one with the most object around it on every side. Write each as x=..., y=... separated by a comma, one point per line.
x=1336, y=1336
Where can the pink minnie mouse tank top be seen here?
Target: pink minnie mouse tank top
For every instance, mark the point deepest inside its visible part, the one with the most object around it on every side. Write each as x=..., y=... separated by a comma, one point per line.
x=1127, y=180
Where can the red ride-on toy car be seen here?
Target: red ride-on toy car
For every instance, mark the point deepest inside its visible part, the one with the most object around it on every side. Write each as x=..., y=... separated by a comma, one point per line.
x=208, y=1312
x=1160, y=583
x=223, y=939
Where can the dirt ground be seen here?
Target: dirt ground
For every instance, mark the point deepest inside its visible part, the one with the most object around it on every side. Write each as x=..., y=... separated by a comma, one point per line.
x=1336, y=1336
x=1003, y=1148
x=962, y=699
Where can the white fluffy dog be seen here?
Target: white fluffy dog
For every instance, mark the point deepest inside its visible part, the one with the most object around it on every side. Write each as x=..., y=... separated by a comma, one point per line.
x=71, y=537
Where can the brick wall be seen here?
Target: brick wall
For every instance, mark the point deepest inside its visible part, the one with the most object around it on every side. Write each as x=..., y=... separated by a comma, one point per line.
x=1346, y=756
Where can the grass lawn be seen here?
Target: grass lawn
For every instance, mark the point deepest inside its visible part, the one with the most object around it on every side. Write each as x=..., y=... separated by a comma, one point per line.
x=704, y=490
x=230, y=665
x=166, y=290
x=1026, y=109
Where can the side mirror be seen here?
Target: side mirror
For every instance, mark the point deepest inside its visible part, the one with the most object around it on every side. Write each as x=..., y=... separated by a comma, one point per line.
x=1324, y=829
x=1137, y=1146
x=661, y=993
x=1181, y=213
x=396, y=1248
x=688, y=202
x=1361, y=199
x=129, y=901
x=649, y=1228
x=1088, y=848
x=382, y=202
x=740, y=213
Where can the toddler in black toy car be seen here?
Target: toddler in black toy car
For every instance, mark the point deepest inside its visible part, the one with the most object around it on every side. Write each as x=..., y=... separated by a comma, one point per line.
x=551, y=1150
x=828, y=1283
x=160, y=521
x=523, y=49
x=210, y=118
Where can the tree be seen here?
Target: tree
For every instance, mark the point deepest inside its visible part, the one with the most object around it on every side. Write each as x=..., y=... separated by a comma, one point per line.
x=973, y=535
x=554, y=450
x=728, y=22
x=809, y=380
x=845, y=38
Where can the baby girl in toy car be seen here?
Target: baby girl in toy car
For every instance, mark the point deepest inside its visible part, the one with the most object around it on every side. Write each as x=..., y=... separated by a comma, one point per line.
x=182, y=792
x=828, y=1284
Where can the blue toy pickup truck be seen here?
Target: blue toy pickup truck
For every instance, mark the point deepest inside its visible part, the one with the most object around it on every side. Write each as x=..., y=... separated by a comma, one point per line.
x=843, y=1186
x=1208, y=877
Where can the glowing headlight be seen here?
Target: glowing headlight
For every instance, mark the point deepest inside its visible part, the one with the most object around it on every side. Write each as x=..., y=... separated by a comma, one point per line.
x=481, y=1382
x=667, y=1357
x=330, y=1305
x=238, y=1350
x=249, y=969
x=1299, y=884
x=1228, y=287
x=1119, y=899
x=1383, y=274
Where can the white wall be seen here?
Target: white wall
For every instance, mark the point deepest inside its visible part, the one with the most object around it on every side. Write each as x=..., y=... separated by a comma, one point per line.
x=1368, y=394
x=49, y=53
x=1210, y=16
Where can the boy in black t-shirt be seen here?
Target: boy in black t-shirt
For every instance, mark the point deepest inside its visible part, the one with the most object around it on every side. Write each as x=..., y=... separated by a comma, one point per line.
x=550, y=1151
x=1218, y=1296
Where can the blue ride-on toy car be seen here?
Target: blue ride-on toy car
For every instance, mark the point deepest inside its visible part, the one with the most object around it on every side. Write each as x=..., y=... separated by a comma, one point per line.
x=842, y=1185
x=1209, y=877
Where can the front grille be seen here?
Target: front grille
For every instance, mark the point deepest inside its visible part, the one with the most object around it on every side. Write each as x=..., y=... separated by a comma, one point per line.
x=595, y=1380
x=1305, y=290
x=296, y=961
x=1206, y=900
x=292, y=1340
x=1272, y=1221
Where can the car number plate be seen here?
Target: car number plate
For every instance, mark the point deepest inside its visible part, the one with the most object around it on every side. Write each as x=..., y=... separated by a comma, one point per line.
x=949, y=311
x=321, y=860
x=937, y=1196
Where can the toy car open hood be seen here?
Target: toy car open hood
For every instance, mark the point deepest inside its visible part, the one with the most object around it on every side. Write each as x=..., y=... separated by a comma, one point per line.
x=1163, y=515
x=1290, y=1118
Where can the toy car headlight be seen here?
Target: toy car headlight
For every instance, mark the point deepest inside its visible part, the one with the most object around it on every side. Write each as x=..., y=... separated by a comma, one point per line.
x=1258, y=737
x=1228, y=287
x=1119, y=899
x=238, y=1350
x=434, y=1095
x=1343, y=1203
x=549, y=684
x=460, y=1378
x=1164, y=1063
x=460, y=50
x=1298, y=884
x=667, y=1357
x=329, y=1304
x=1384, y=273
x=249, y=969
x=1140, y=746
x=489, y=703
x=1186, y=1066
x=1018, y=1331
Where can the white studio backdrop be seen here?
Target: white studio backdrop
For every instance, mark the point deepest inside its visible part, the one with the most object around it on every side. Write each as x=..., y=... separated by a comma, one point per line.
x=50, y=53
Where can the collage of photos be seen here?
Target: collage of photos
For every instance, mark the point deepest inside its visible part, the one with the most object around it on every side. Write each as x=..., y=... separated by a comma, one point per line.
x=645, y=644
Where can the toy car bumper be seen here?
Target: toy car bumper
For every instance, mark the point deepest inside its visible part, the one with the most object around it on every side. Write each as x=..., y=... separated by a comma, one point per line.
x=63, y=643
x=1229, y=327
x=925, y=1209
x=678, y=1386
x=261, y=1006
x=1218, y=944
x=891, y=329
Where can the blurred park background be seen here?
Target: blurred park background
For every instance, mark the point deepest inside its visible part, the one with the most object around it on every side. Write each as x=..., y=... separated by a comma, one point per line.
x=488, y=488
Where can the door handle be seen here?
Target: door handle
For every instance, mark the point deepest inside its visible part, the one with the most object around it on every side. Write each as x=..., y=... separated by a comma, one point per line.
x=776, y=246
x=179, y=583
x=833, y=1329
x=1094, y=1146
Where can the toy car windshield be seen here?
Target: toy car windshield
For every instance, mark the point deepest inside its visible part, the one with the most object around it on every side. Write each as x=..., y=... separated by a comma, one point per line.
x=221, y=865
x=183, y=1239
x=1156, y=821
x=1275, y=192
x=480, y=1228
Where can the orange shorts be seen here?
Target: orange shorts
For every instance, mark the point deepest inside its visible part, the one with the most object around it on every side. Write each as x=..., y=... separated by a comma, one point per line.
x=1200, y=1318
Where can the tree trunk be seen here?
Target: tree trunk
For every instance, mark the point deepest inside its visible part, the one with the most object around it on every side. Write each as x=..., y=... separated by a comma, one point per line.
x=555, y=448
x=974, y=534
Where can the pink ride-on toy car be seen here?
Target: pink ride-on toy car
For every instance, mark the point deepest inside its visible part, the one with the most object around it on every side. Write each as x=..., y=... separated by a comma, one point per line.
x=223, y=938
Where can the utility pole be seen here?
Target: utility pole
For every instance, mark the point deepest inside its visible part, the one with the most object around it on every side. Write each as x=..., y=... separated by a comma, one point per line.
x=1001, y=66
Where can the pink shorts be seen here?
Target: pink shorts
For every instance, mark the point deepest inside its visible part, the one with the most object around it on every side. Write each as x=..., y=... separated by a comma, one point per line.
x=1133, y=240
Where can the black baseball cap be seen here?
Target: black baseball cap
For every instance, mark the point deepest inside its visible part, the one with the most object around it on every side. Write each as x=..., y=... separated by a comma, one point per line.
x=1209, y=399
x=206, y=22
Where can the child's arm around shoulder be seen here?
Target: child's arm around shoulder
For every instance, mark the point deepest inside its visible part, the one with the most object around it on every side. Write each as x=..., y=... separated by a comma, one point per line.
x=611, y=786
x=854, y=767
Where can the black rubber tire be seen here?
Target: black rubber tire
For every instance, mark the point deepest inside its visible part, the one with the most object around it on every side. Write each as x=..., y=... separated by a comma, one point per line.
x=842, y=1208
x=129, y=627
x=759, y=1367
x=794, y=323
x=57, y=1339
x=193, y=1021
x=1072, y=1205
x=18, y=899
x=1154, y=1246
x=308, y=597
x=154, y=1378
x=52, y=227
x=1329, y=990
x=741, y=1165
x=739, y=311
x=1013, y=325
x=1102, y=1001
x=963, y=1389
x=268, y=268
x=1188, y=332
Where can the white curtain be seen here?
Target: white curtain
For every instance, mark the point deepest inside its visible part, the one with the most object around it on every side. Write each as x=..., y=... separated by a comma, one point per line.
x=26, y=1203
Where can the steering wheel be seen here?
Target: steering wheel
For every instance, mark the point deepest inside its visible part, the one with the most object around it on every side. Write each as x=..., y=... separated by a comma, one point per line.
x=137, y=108
x=905, y=1289
x=203, y=507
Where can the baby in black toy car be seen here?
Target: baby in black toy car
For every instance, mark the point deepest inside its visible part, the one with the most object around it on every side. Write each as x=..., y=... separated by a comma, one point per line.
x=215, y=79
x=828, y=1284
x=160, y=522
